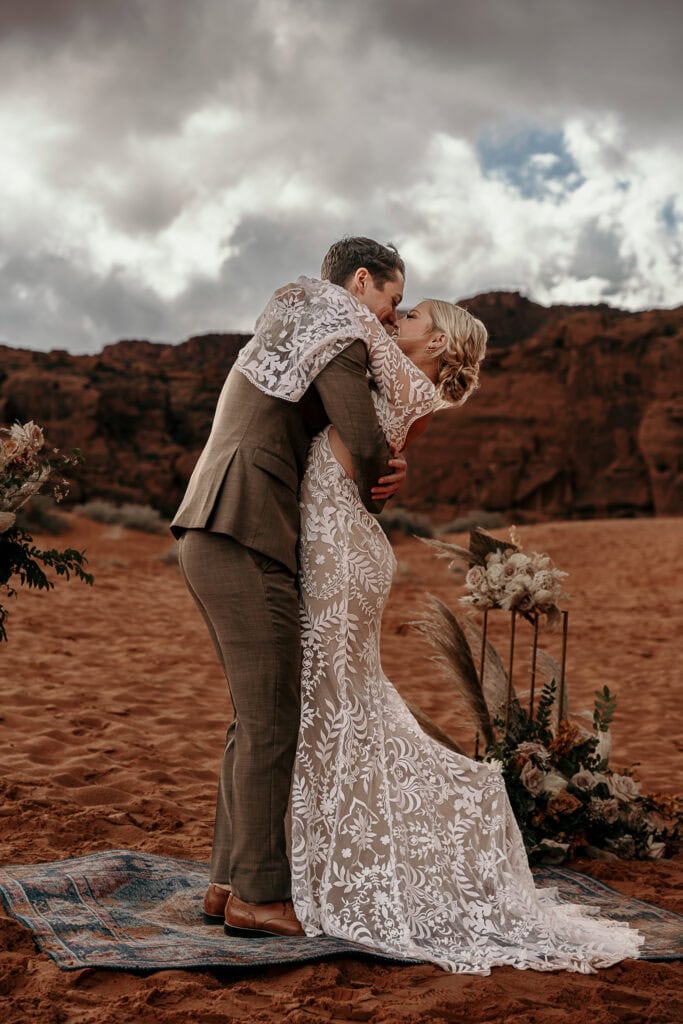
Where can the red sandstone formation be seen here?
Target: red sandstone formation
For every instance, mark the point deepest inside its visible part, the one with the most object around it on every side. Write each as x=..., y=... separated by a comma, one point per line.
x=579, y=414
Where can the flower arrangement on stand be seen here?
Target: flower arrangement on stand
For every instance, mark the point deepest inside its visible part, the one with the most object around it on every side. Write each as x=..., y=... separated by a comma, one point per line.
x=24, y=471
x=502, y=576
x=565, y=797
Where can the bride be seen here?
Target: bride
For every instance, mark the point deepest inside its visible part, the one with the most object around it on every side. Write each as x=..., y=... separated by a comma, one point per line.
x=398, y=843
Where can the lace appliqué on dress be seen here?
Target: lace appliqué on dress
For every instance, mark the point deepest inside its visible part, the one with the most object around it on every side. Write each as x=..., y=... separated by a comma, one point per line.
x=397, y=842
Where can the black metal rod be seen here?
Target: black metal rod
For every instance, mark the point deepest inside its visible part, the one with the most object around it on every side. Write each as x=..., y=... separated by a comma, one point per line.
x=512, y=655
x=565, y=617
x=482, y=662
x=483, y=649
x=533, y=666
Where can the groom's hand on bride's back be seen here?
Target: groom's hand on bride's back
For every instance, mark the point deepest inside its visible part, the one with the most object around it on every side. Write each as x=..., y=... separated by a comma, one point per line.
x=387, y=486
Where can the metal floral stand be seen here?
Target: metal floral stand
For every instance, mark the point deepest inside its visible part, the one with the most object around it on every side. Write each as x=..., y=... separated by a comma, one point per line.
x=534, y=654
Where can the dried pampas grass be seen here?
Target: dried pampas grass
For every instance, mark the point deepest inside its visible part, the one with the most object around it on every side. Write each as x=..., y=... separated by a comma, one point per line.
x=441, y=628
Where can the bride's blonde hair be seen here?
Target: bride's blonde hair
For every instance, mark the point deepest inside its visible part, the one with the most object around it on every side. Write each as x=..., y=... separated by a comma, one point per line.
x=458, y=370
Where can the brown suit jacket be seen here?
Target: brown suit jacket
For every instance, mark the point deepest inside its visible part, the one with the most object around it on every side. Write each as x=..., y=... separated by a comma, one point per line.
x=246, y=481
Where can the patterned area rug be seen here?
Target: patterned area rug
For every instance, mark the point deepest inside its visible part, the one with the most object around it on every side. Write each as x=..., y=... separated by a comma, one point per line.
x=138, y=911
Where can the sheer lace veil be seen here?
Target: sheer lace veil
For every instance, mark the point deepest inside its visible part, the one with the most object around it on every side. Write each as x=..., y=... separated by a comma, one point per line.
x=304, y=326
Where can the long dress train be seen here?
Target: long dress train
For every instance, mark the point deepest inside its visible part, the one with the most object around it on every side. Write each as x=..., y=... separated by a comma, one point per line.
x=398, y=843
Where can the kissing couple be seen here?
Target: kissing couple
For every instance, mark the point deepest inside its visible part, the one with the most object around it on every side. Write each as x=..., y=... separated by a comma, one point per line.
x=395, y=842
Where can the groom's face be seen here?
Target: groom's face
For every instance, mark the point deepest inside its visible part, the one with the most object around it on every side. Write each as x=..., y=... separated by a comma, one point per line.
x=381, y=299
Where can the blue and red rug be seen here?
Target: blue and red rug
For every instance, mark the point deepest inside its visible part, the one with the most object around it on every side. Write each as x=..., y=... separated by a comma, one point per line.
x=137, y=911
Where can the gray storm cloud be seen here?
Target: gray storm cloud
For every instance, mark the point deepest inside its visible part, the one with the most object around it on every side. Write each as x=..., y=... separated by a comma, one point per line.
x=167, y=164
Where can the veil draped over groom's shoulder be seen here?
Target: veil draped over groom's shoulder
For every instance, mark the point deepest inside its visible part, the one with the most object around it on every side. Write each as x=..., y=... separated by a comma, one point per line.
x=303, y=327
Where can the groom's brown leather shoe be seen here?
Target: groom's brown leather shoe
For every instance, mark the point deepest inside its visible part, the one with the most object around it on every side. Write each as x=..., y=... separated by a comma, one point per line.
x=250, y=919
x=215, y=899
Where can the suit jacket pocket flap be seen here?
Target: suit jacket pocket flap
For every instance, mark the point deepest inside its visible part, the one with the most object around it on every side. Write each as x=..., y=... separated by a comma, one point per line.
x=277, y=467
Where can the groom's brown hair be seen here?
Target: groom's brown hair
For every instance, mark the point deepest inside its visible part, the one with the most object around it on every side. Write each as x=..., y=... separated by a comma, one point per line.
x=348, y=255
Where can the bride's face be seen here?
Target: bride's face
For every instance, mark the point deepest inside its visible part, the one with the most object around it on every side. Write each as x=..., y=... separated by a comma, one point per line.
x=416, y=331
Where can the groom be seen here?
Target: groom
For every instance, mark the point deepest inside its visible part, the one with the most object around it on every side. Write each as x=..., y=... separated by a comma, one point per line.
x=238, y=527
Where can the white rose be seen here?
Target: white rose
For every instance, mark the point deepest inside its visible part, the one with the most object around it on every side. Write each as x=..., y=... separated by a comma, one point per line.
x=623, y=787
x=495, y=575
x=554, y=783
x=475, y=577
x=519, y=560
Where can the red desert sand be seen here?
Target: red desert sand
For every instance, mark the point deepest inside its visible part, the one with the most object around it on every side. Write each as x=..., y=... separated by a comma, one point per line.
x=113, y=716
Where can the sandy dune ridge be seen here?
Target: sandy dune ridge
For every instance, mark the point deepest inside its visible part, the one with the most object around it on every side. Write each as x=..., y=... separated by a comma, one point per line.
x=113, y=713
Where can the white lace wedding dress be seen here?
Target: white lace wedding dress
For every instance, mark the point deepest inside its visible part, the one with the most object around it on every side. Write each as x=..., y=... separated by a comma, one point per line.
x=398, y=843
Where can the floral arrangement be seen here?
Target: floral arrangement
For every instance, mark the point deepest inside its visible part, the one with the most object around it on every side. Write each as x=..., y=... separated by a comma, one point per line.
x=509, y=579
x=24, y=471
x=565, y=797
x=501, y=575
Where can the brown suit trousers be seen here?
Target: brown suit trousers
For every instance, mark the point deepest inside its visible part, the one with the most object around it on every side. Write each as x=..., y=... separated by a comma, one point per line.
x=238, y=526
x=251, y=608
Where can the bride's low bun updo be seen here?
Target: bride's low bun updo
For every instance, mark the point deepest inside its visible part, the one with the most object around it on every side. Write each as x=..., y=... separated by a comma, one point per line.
x=458, y=363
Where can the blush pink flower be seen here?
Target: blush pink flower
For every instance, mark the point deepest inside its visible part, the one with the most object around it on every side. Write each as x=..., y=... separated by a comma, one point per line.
x=532, y=778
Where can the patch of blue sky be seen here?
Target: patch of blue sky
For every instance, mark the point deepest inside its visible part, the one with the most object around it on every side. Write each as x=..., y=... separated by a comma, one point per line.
x=534, y=161
x=670, y=216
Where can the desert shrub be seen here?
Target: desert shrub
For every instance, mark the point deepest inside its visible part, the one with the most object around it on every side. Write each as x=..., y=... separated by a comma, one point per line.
x=401, y=520
x=478, y=517
x=134, y=517
x=170, y=555
x=99, y=510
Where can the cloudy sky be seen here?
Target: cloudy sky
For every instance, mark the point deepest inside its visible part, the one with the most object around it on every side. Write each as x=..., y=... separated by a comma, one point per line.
x=165, y=164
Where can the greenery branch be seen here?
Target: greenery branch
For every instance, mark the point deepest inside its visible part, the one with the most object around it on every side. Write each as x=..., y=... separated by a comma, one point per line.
x=24, y=471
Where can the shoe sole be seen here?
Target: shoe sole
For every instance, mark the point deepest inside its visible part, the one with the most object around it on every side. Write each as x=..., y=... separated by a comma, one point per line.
x=256, y=933
x=212, y=918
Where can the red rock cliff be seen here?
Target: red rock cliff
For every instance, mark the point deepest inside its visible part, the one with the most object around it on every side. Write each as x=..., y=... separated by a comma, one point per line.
x=580, y=413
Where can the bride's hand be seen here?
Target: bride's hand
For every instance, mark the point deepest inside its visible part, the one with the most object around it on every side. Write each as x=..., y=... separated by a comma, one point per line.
x=388, y=485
